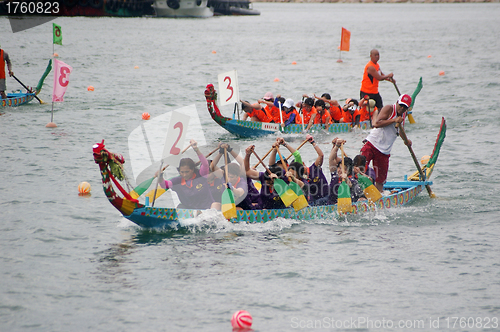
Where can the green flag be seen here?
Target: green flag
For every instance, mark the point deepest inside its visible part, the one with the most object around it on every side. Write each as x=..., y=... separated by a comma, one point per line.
x=57, y=34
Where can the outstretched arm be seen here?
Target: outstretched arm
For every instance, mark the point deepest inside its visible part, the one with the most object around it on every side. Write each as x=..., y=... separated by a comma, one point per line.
x=250, y=172
x=319, y=160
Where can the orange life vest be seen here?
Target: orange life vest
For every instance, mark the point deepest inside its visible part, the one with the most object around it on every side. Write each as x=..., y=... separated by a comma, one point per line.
x=369, y=84
x=307, y=115
x=323, y=118
x=336, y=113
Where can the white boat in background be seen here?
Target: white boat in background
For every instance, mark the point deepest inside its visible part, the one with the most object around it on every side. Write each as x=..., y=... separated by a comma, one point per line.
x=182, y=8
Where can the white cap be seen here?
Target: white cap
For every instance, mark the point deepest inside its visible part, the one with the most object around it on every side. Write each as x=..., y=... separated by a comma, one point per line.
x=288, y=103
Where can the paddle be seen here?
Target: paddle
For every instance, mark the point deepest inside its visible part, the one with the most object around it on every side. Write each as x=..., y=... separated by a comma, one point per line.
x=281, y=116
x=370, y=191
x=260, y=161
x=286, y=194
x=228, y=207
x=268, y=152
x=344, y=202
x=422, y=177
x=301, y=145
x=301, y=201
x=24, y=86
x=396, y=86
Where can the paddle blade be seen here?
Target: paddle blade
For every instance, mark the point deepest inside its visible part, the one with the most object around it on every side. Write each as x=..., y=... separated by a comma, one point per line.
x=257, y=185
x=410, y=117
x=286, y=194
x=371, y=192
x=141, y=188
x=160, y=191
x=300, y=203
x=228, y=207
x=344, y=203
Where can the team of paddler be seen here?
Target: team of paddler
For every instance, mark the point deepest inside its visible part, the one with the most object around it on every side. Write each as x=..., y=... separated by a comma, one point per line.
x=283, y=184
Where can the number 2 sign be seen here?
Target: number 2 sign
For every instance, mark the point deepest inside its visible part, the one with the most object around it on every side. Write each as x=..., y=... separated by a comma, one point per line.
x=228, y=88
x=174, y=142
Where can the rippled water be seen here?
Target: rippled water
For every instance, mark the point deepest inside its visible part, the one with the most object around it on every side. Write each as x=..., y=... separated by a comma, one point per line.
x=72, y=263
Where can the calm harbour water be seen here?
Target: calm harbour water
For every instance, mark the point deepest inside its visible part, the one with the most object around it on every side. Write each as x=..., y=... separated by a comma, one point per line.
x=72, y=263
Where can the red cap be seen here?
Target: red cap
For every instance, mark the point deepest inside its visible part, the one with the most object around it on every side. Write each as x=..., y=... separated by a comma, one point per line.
x=405, y=100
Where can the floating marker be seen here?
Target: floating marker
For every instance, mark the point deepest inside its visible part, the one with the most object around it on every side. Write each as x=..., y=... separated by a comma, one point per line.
x=425, y=160
x=441, y=73
x=429, y=56
x=214, y=52
x=55, y=55
x=90, y=88
x=241, y=320
x=276, y=79
x=136, y=67
x=84, y=188
x=340, y=60
x=146, y=116
x=51, y=125
x=294, y=63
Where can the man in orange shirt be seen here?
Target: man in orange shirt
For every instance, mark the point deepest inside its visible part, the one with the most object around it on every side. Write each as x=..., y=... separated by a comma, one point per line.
x=254, y=111
x=4, y=58
x=371, y=76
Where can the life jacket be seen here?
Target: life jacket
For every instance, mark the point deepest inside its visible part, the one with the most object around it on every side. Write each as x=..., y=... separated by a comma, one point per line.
x=307, y=115
x=369, y=84
x=323, y=118
x=273, y=113
x=261, y=115
x=2, y=65
x=336, y=113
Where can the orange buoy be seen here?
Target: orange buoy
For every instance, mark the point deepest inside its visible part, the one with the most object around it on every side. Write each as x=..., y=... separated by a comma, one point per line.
x=214, y=52
x=340, y=60
x=294, y=63
x=429, y=56
x=84, y=188
x=55, y=55
x=146, y=116
x=90, y=88
x=50, y=125
x=136, y=67
x=441, y=73
x=276, y=79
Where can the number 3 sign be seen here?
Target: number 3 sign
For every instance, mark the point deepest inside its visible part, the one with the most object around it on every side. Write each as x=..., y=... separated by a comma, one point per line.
x=228, y=88
x=61, y=79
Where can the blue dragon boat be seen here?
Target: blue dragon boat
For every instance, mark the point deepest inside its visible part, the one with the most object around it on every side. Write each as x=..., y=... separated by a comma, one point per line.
x=256, y=129
x=401, y=193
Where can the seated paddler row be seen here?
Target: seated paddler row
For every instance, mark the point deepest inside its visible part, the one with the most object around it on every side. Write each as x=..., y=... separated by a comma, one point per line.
x=203, y=187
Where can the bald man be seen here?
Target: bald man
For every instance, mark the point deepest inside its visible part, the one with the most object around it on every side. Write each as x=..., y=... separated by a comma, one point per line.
x=371, y=76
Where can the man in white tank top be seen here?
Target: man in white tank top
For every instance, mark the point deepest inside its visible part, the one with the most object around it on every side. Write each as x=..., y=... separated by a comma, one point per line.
x=382, y=136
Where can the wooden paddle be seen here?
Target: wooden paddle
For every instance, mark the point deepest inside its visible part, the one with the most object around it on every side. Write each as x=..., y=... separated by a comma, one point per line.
x=422, y=177
x=395, y=85
x=344, y=202
x=286, y=194
x=228, y=206
x=24, y=86
x=265, y=156
x=301, y=145
x=301, y=201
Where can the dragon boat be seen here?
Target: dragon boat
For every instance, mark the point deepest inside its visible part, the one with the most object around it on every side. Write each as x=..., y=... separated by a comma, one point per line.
x=256, y=129
x=143, y=214
x=20, y=98
x=17, y=99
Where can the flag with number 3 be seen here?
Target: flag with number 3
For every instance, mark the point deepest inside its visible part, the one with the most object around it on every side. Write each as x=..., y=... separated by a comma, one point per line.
x=61, y=79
